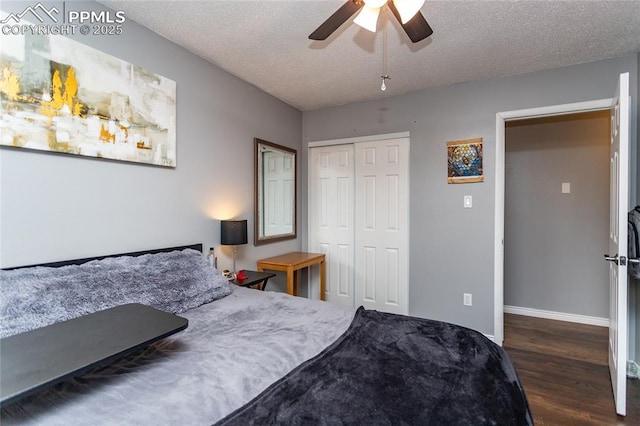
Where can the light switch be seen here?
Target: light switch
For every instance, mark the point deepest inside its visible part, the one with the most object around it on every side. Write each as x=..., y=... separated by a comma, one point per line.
x=566, y=187
x=468, y=201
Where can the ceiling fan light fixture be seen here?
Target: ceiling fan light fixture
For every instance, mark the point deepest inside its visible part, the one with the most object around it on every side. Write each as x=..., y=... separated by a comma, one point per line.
x=368, y=18
x=408, y=8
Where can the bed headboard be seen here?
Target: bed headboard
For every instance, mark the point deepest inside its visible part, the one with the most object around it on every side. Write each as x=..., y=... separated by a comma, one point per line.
x=88, y=259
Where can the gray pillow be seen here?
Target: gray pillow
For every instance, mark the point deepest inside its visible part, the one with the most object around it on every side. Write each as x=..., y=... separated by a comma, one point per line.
x=173, y=282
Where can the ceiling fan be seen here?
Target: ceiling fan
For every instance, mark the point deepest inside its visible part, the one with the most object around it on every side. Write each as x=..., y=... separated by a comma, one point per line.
x=407, y=12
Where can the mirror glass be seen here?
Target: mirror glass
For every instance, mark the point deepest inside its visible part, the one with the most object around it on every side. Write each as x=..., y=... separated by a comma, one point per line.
x=275, y=198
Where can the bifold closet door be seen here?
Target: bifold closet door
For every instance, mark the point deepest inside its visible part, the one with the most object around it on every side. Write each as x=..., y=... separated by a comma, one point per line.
x=331, y=215
x=359, y=218
x=382, y=225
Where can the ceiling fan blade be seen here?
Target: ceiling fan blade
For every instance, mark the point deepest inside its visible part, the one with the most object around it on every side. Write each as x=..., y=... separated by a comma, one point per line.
x=416, y=28
x=339, y=17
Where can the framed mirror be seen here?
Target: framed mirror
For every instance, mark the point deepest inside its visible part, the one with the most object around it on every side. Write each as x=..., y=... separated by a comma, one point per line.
x=275, y=192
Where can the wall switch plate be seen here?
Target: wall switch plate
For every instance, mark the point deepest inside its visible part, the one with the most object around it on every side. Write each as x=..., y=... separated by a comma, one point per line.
x=566, y=187
x=467, y=299
x=468, y=201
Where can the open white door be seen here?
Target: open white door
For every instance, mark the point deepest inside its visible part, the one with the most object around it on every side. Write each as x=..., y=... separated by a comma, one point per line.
x=619, y=204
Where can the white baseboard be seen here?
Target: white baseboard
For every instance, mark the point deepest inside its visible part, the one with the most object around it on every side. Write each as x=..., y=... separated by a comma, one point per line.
x=633, y=370
x=559, y=316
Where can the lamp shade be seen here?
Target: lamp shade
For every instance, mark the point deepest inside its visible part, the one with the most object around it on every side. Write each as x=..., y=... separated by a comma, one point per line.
x=233, y=232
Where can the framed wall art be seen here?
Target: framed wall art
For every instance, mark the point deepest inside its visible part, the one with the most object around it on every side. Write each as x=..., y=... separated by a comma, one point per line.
x=464, y=161
x=59, y=95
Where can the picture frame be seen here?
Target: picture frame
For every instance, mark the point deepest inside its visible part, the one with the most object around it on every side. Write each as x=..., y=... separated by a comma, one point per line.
x=464, y=161
x=62, y=96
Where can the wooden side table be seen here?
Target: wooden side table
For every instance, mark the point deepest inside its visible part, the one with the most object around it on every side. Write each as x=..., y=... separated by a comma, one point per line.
x=253, y=278
x=292, y=263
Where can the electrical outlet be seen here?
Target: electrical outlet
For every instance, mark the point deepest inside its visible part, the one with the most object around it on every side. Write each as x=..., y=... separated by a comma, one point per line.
x=467, y=299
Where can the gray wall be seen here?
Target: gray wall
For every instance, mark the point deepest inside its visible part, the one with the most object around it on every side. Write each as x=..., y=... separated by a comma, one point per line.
x=553, y=241
x=60, y=207
x=452, y=247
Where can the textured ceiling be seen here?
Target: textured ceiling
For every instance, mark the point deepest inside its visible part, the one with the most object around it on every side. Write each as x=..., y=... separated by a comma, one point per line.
x=265, y=43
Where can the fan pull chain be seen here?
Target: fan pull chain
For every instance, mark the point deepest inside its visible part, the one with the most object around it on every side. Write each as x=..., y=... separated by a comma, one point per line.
x=384, y=75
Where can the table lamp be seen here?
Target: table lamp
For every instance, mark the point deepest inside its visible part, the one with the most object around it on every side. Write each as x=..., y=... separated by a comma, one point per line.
x=233, y=233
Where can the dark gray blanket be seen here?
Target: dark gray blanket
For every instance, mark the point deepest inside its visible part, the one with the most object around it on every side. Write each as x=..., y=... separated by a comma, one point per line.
x=393, y=370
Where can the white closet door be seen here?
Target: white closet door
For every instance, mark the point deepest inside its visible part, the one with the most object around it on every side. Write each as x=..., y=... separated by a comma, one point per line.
x=382, y=225
x=331, y=215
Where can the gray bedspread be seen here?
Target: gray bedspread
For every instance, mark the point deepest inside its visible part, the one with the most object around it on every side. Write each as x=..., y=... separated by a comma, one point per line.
x=233, y=349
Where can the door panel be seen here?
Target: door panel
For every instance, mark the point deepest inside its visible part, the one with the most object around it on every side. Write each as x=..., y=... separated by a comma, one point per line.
x=382, y=221
x=619, y=204
x=331, y=214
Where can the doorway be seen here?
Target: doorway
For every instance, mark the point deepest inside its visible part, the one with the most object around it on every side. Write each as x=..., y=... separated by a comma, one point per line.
x=557, y=217
x=501, y=119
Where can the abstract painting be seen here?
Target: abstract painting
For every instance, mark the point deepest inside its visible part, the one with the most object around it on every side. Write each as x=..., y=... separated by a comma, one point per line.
x=62, y=96
x=464, y=161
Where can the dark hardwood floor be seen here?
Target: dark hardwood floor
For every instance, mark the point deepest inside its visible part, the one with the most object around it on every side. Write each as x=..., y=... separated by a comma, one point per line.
x=563, y=368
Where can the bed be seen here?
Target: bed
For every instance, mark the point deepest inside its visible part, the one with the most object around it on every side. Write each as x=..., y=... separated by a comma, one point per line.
x=253, y=357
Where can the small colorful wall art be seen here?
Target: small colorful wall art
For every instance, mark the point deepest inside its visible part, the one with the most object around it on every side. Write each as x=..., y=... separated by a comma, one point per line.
x=464, y=160
x=61, y=96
